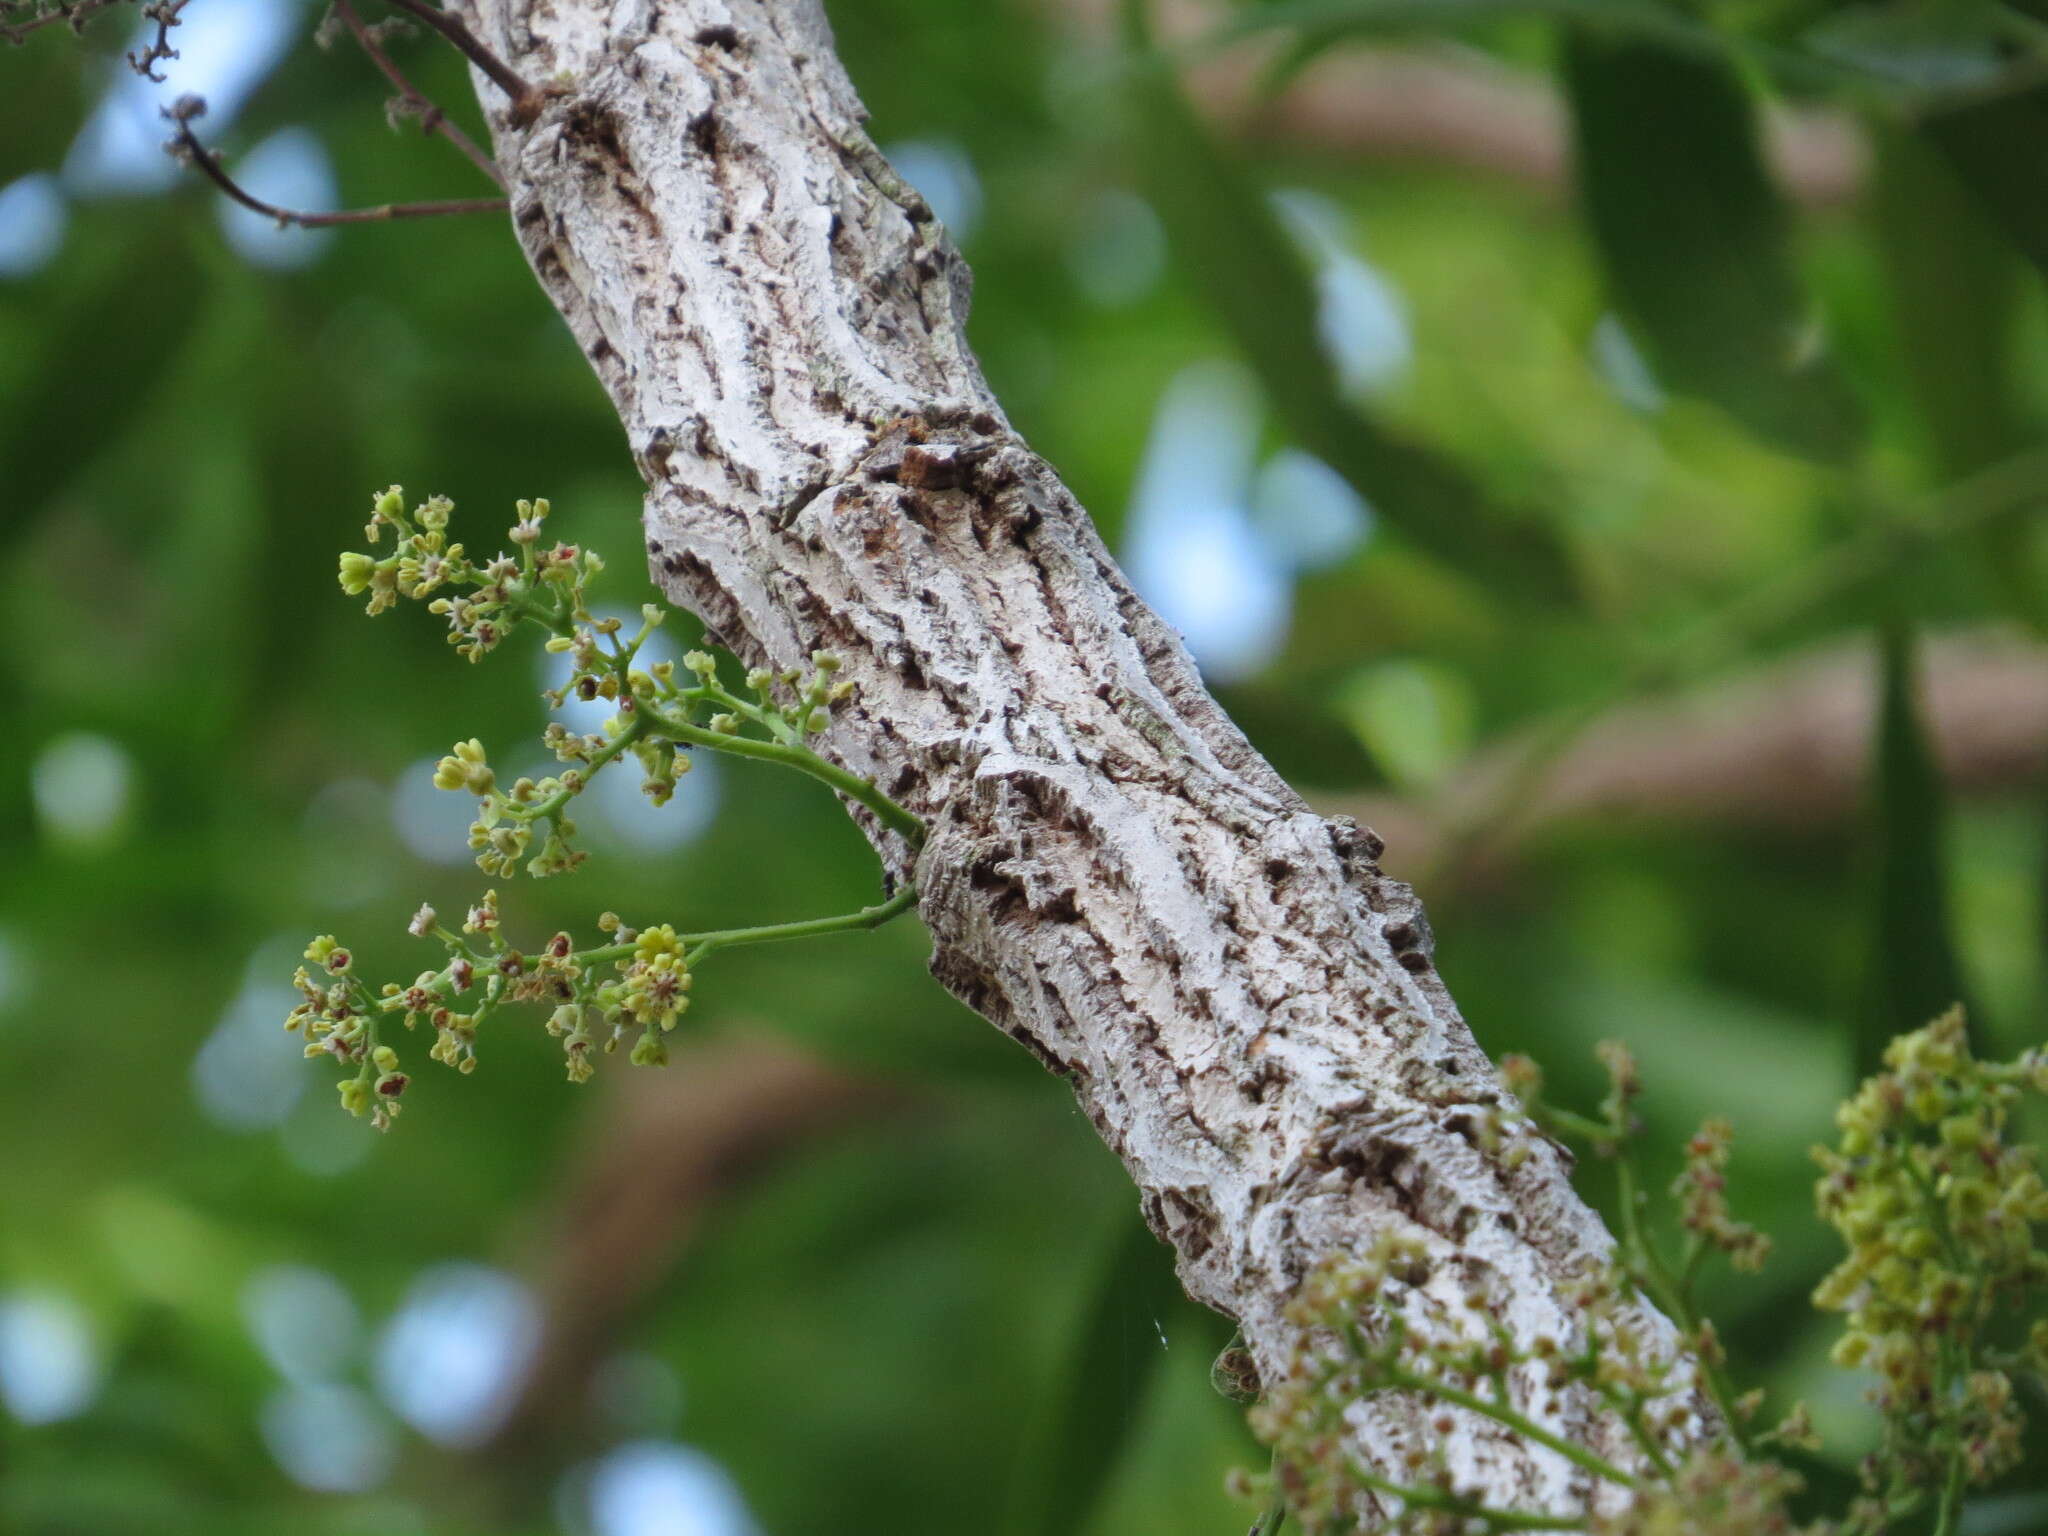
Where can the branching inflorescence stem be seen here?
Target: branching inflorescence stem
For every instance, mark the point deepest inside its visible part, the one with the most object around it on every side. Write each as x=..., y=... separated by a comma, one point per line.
x=658, y=720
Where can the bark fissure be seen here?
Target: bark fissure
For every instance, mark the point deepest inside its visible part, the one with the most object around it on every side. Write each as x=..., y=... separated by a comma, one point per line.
x=1247, y=1008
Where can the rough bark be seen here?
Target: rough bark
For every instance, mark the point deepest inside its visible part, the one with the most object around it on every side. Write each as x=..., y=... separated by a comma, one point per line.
x=1246, y=1007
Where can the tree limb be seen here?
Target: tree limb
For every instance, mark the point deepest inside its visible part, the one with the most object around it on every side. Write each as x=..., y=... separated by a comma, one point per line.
x=1787, y=746
x=1246, y=1007
x=1444, y=106
x=670, y=1146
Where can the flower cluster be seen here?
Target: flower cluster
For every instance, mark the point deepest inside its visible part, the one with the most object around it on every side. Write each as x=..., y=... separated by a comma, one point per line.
x=640, y=998
x=1375, y=1323
x=338, y=1017
x=1702, y=1194
x=525, y=826
x=635, y=987
x=487, y=601
x=1713, y=1491
x=1938, y=1210
x=1396, y=1320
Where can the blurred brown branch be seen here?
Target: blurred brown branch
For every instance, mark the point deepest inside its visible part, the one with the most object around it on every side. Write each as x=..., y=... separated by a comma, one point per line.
x=1445, y=106
x=669, y=1146
x=1786, y=746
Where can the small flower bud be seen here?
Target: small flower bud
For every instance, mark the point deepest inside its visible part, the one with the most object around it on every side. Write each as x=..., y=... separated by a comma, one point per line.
x=356, y=571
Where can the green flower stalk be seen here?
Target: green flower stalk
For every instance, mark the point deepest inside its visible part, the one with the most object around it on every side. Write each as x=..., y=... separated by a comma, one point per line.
x=635, y=988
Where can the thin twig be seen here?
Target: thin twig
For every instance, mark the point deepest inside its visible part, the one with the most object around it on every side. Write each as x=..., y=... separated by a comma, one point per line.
x=526, y=101
x=432, y=118
x=165, y=14
x=75, y=15
x=187, y=147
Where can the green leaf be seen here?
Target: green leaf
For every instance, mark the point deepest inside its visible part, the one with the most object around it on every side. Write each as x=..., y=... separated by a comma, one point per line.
x=1911, y=972
x=1954, y=287
x=1695, y=240
x=1995, y=147
x=1077, y=1442
x=1256, y=281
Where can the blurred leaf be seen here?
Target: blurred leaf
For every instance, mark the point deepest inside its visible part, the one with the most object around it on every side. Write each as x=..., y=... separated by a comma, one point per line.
x=1911, y=972
x=1954, y=290
x=1069, y=1458
x=1416, y=718
x=1326, y=23
x=124, y=312
x=1995, y=146
x=1695, y=239
x=2011, y=1514
x=1254, y=277
x=1926, y=49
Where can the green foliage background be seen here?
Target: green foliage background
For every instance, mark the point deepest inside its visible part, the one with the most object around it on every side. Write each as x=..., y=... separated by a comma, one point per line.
x=947, y=1318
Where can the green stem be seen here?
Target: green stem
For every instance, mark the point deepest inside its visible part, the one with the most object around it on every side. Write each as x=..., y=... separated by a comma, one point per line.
x=770, y=933
x=554, y=804
x=1652, y=1275
x=551, y=618
x=1494, y=1519
x=1519, y=1422
x=1567, y=1122
x=1689, y=1266
x=1951, y=1494
x=1274, y=1515
x=1631, y=1413
x=803, y=760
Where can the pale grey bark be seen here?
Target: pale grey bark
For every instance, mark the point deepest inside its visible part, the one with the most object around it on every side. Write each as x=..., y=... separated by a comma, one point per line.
x=1245, y=1006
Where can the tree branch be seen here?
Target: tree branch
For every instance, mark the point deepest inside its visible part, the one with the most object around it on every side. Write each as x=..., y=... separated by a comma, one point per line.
x=526, y=101
x=1245, y=1005
x=74, y=15
x=1445, y=106
x=670, y=1146
x=1788, y=746
x=185, y=146
x=432, y=118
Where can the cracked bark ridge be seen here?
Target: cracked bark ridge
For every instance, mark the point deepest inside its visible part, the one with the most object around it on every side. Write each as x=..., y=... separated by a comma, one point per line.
x=1246, y=1007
